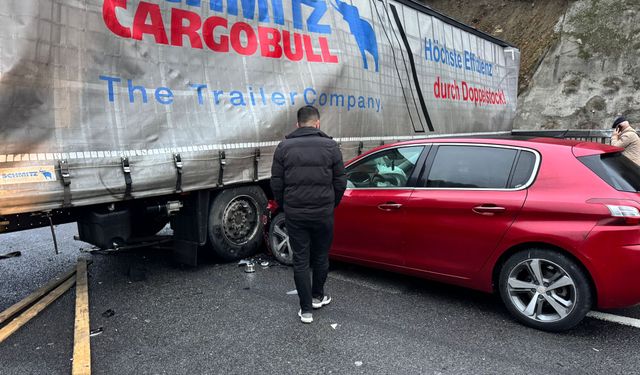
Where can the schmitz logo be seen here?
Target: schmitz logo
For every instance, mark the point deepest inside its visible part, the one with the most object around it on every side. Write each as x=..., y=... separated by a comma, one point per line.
x=27, y=175
x=185, y=27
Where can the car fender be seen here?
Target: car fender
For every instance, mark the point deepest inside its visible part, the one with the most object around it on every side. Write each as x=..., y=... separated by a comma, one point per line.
x=519, y=237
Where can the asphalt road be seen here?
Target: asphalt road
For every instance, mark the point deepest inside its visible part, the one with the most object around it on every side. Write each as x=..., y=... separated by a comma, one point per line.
x=216, y=319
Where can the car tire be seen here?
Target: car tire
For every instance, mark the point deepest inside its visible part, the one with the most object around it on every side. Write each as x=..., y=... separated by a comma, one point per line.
x=279, y=240
x=556, y=303
x=235, y=229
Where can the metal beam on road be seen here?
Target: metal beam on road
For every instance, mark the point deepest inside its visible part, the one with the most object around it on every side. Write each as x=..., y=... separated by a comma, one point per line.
x=81, y=338
x=34, y=310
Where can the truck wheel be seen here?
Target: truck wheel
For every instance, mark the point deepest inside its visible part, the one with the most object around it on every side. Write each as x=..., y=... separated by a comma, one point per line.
x=545, y=289
x=235, y=228
x=279, y=240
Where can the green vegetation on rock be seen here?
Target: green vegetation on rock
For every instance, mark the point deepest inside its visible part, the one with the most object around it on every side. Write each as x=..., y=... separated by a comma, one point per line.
x=593, y=27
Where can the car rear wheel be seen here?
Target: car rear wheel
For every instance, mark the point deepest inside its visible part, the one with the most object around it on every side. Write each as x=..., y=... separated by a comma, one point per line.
x=279, y=240
x=545, y=289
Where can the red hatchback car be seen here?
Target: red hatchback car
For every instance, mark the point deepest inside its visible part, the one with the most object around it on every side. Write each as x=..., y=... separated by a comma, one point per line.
x=552, y=225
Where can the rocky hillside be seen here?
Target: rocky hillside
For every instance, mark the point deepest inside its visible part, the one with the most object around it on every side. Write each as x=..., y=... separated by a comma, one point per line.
x=526, y=24
x=579, y=58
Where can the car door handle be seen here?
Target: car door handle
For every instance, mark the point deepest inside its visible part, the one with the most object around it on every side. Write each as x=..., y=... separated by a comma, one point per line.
x=488, y=209
x=389, y=206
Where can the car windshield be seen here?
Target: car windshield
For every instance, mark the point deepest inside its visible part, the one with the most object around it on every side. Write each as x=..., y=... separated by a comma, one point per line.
x=615, y=169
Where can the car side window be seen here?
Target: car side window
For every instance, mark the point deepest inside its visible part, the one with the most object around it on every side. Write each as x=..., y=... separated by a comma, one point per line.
x=476, y=167
x=524, y=168
x=386, y=169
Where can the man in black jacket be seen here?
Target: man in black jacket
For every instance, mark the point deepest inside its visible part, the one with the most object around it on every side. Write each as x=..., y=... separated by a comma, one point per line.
x=308, y=181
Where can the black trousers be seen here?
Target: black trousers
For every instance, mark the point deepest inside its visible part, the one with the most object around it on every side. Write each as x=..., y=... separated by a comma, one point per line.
x=310, y=242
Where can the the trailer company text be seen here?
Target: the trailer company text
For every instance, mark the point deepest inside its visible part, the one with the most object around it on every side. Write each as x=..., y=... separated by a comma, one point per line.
x=249, y=96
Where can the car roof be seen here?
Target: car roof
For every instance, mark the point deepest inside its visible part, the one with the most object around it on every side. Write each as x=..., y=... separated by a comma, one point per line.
x=578, y=147
x=523, y=141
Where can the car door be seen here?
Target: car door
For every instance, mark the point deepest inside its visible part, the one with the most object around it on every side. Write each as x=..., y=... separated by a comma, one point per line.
x=369, y=222
x=467, y=198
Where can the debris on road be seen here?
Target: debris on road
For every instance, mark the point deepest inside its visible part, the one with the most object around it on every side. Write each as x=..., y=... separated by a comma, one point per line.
x=292, y=292
x=109, y=313
x=334, y=326
x=96, y=331
x=13, y=254
x=263, y=260
x=34, y=303
x=141, y=243
x=250, y=264
x=358, y=363
x=82, y=332
x=22, y=312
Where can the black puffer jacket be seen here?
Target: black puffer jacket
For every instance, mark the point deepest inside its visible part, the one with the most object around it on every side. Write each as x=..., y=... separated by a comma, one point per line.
x=307, y=175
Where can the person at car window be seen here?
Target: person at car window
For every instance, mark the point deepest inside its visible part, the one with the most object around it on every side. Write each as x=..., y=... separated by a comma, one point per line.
x=308, y=181
x=379, y=172
x=390, y=175
x=626, y=137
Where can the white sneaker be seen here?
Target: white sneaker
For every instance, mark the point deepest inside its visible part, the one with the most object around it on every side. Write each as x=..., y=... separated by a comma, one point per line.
x=318, y=303
x=306, y=317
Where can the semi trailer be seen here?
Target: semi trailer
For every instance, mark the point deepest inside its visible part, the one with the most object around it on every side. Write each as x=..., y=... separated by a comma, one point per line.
x=124, y=115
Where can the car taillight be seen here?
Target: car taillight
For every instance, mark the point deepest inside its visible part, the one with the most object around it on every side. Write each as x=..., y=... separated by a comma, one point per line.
x=272, y=206
x=630, y=214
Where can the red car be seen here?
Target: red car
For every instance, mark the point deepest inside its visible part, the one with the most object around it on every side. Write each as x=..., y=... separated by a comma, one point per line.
x=552, y=225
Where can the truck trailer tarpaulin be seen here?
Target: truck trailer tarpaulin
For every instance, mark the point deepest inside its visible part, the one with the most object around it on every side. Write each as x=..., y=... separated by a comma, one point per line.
x=109, y=100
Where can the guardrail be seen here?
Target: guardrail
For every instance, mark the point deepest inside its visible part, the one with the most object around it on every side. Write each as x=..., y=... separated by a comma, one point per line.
x=592, y=135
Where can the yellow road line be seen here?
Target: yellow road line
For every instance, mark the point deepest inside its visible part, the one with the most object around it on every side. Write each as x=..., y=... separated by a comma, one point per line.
x=81, y=339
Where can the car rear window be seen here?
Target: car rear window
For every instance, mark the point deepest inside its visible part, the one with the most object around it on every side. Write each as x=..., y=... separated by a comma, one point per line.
x=475, y=167
x=615, y=169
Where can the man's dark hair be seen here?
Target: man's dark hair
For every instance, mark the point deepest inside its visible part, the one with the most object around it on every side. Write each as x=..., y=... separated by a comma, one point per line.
x=308, y=113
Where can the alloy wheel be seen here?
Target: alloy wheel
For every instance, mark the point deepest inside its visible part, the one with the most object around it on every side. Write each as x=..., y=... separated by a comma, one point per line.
x=541, y=290
x=280, y=246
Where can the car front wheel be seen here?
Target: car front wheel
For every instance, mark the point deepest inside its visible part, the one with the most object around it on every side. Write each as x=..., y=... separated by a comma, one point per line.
x=545, y=289
x=279, y=240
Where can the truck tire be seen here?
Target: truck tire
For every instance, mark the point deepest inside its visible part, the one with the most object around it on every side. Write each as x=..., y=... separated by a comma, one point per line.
x=235, y=228
x=545, y=289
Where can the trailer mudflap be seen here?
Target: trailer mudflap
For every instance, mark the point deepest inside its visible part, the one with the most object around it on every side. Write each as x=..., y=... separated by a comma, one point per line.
x=190, y=227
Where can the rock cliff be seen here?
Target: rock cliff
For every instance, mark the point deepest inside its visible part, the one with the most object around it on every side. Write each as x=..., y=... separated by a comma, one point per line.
x=580, y=58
